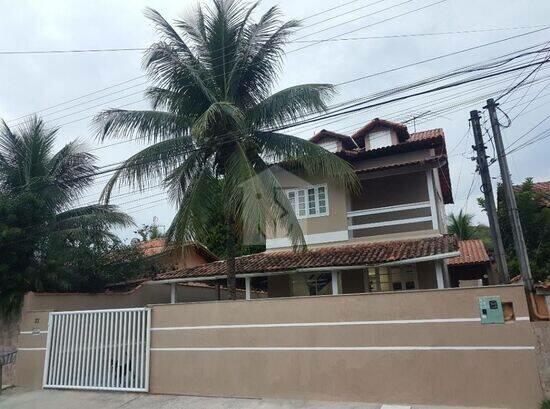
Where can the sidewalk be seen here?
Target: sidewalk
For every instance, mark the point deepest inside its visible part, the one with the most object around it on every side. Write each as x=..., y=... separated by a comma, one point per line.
x=18, y=398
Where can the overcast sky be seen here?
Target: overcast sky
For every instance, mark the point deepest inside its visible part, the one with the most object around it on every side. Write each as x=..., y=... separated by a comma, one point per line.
x=32, y=83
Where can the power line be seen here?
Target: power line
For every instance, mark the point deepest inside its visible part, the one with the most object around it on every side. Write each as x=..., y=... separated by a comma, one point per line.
x=145, y=75
x=375, y=23
x=340, y=84
x=381, y=37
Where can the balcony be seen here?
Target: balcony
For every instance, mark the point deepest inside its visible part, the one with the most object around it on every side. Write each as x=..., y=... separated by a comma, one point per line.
x=403, y=218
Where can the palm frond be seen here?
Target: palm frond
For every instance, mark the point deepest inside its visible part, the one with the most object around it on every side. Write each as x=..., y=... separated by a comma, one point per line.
x=255, y=78
x=461, y=225
x=303, y=156
x=194, y=210
x=222, y=115
x=253, y=194
x=290, y=104
x=97, y=216
x=149, y=165
x=151, y=126
x=178, y=181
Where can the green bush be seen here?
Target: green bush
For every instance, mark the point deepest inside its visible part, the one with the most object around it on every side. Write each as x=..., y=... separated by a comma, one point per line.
x=545, y=404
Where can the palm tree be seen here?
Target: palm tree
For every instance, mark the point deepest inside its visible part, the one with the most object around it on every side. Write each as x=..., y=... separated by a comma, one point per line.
x=461, y=225
x=212, y=119
x=28, y=164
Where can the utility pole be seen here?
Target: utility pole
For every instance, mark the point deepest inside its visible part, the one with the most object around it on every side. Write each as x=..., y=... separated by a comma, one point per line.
x=511, y=206
x=490, y=206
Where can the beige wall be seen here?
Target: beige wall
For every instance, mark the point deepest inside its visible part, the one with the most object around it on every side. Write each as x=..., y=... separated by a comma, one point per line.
x=472, y=377
x=139, y=297
x=337, y=217
x=28, y=368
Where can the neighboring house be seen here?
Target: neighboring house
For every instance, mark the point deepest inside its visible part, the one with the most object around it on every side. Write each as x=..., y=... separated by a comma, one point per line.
x=164, y=258
x=543, y=190
x=173, y=257
x=390, y=237
x=472, y=264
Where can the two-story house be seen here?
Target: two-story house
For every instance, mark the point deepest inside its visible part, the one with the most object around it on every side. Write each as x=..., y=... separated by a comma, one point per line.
x=389, y=237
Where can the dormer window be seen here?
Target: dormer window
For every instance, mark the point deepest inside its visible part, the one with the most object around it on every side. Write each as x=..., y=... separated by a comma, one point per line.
x=329, y=145
x=378, y=139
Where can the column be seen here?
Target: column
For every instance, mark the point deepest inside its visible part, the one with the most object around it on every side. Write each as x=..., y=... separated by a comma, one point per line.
x=247, y=287
x=335, y=283
x=173, y=293
x=439, y=274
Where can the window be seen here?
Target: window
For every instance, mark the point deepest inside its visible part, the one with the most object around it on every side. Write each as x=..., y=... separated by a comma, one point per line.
x=331, y=146
x=309, y=202
x=303, y=284
x=380, y=139
x=392, y=278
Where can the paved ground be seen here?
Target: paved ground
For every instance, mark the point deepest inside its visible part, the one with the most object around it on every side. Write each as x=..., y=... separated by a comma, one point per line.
x=18, y=398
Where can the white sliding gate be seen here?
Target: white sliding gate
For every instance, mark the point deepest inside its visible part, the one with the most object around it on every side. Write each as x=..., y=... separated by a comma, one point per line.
x=99, y=349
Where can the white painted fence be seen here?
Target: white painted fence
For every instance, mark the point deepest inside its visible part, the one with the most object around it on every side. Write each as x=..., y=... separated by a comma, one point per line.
x=99, y=349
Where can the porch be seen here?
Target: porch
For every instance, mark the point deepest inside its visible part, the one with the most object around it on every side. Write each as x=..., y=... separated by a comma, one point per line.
x=365, y=267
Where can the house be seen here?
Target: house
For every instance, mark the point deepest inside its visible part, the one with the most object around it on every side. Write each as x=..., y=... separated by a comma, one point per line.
x=472, y=265
x=392, y=236
x=542, y=192
x=172, y=257
x=163, y=258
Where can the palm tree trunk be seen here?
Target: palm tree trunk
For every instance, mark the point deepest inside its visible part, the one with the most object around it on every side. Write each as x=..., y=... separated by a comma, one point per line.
x=231, y=250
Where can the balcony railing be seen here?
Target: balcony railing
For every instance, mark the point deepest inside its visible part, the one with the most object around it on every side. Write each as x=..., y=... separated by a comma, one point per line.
x=387, y=216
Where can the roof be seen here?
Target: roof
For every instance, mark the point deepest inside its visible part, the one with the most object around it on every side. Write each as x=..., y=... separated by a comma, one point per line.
x=334, y=256
x=154, y=247
x=323, y=133
x=430, y=138
x=542, y=189
x=471, y=252
x=400, y=129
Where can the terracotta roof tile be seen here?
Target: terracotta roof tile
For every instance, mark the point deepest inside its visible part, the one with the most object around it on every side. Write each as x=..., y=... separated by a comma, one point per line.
x=344, y=255
x=158, y=246
x=471, y=252
x=399, y=128
x=427, y=134
x=323, y=133
x=542, y=189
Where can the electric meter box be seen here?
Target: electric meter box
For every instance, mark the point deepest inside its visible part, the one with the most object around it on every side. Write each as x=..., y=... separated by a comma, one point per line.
x=490, y=310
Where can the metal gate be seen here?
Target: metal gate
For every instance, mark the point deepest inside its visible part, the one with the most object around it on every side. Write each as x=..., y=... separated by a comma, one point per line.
x=100, y=349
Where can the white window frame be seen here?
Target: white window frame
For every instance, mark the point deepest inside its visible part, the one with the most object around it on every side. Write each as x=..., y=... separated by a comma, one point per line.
x=305, y=189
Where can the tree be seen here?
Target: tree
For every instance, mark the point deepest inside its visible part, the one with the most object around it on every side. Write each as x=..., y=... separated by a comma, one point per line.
x=22, y=223
x=149, y=232
x=535, y=223
x=461, y=225
x=213, y=118
x=43, y=236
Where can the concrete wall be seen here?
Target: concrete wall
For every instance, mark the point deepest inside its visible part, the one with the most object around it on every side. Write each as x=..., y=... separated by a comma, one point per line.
x=454, y=362
x=28, y=368
x=338, y=355
x=9, y=331
x=542, y=332
x=139, y=297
